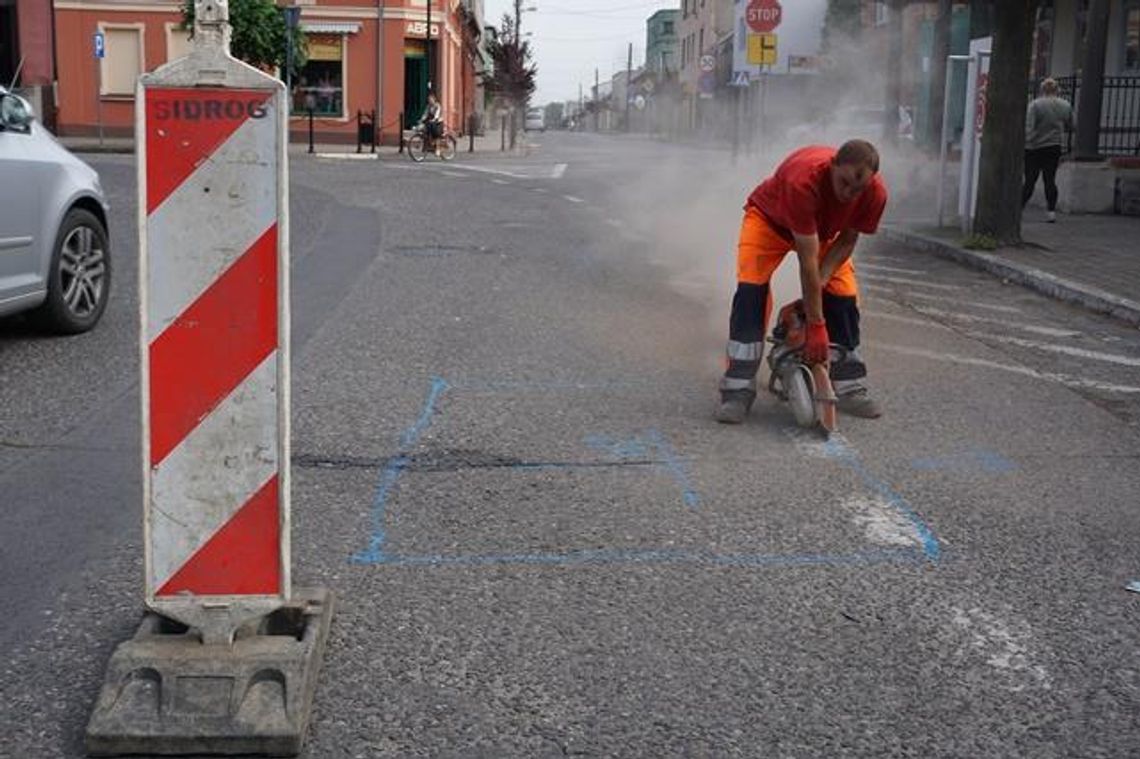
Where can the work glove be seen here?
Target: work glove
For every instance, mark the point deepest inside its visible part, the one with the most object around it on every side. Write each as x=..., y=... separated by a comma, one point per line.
x=816, y=344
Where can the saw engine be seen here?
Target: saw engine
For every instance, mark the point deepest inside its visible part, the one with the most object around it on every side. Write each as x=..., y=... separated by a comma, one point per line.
x=807, y=389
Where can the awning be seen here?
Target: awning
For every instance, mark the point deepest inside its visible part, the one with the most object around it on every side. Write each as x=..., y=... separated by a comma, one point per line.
x=330, y=27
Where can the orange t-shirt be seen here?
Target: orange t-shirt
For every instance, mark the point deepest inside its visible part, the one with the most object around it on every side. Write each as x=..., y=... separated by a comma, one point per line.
x=799, y=198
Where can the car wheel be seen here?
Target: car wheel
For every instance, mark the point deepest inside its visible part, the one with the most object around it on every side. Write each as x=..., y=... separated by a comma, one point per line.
x=79, y=279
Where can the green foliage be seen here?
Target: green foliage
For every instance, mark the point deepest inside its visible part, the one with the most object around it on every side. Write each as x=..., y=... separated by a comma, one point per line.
x=513, y=77
x=259, y=34
x=980, y=242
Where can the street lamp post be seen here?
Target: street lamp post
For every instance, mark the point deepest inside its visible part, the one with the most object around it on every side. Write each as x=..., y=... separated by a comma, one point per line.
x=292, y=18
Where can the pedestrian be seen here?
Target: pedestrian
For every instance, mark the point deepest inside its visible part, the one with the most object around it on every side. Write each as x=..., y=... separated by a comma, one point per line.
x=1045, y=122
x=816, y=203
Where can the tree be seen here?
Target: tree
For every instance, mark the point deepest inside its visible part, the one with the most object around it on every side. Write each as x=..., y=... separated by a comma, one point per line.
x=998, y=212
x=513, y=77
x=259, y=34
x=843, y=22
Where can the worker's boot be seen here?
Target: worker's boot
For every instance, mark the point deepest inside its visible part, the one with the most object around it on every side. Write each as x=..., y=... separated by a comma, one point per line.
x=734, y=406
x=856, y=400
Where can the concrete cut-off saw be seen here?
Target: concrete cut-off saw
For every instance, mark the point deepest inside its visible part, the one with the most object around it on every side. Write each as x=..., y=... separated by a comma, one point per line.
x=807, y=389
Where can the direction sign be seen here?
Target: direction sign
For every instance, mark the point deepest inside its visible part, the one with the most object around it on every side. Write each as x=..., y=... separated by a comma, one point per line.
x=762, y=49
x=708, y=63
x=100, y=45
x=763, y=16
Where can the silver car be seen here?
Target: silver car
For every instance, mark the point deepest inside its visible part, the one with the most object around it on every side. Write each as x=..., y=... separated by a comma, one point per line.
x=54, y=248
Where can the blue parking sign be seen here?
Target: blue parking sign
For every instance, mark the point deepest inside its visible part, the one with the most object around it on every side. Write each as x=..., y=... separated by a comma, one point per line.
x=100, y=47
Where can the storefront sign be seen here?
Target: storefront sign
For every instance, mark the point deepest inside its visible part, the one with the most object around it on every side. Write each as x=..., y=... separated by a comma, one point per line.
x=419, y=29
x=324, y=47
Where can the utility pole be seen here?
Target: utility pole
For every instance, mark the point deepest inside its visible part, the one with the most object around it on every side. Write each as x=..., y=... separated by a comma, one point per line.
x=597, y=99
x=628, y=82
x=427, y=33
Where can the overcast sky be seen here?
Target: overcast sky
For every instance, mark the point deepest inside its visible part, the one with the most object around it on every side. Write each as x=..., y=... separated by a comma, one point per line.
x=572, y=37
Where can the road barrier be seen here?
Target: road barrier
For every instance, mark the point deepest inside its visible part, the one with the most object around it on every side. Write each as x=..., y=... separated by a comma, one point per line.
x=214, y=321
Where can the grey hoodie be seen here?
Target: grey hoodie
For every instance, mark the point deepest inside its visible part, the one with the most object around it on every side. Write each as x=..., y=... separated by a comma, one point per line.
x=1045, y=121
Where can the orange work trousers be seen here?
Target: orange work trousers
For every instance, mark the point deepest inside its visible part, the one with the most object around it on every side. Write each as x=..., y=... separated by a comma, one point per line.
x=762, y=248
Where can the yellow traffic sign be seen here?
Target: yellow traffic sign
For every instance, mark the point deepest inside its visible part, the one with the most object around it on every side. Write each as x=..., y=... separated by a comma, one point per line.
x=762, y=49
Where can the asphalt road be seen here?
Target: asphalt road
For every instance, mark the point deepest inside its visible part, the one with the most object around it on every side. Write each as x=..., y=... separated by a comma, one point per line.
x=506, y=468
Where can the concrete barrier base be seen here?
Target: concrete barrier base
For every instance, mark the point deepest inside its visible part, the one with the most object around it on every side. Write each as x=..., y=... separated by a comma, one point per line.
x=167, y=693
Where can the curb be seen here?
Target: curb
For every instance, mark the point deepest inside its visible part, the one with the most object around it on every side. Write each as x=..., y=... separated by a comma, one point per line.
x=1086, y=296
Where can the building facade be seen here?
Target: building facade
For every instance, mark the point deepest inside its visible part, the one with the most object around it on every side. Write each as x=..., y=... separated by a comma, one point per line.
x=27, y=48
x=361, y=58
x=704, y=25
x=662, y=40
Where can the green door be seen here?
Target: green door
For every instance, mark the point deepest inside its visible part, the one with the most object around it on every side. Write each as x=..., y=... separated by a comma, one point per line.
x=415, y=88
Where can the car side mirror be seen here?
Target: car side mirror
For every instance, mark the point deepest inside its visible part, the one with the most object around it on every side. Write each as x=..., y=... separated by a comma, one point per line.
x=15, y=113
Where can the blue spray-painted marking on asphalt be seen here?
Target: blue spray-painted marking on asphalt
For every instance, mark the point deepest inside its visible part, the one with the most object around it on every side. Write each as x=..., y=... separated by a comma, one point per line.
x=987, y=461
x=650, y=444
x=391, y=473
x=838, y=450
x=651, y=556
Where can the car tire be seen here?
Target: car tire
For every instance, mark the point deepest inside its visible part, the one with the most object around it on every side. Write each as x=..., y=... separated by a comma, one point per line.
x=79, y=278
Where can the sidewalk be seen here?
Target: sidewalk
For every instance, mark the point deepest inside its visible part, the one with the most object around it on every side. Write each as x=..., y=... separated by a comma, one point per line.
x=487, y=144
x=1089, y=260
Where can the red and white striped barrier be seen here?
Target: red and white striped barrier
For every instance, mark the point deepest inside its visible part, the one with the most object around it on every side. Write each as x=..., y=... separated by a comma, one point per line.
x=214, y=315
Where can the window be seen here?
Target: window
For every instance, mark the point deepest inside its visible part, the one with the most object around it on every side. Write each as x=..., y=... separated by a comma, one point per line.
x=1132, y=37
x=881, y=13
x=122, y=63
x=319, y=86
x=667, y=27
x=178, y=42
x=701, y=44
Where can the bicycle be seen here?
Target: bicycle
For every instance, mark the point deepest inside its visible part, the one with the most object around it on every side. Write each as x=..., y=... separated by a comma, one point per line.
x=420, y=144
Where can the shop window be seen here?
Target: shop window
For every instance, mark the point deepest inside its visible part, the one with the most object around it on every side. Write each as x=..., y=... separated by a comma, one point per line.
x=319, y=86
x=1132, y=37
x=122, y=62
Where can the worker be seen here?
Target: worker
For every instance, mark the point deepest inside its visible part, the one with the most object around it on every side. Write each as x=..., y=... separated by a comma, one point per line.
x=817, y=203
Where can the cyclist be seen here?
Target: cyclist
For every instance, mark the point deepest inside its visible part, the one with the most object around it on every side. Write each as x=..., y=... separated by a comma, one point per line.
x=433, y=121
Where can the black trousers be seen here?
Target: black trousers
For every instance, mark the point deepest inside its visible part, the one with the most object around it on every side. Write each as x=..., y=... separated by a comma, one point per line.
x=1043, y=162
x=747, y=325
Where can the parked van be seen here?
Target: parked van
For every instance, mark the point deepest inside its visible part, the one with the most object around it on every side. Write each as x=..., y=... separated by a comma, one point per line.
x=535, y=120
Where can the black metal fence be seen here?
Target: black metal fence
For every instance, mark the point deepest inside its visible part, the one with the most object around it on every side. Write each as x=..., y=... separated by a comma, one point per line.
x=1119, y=114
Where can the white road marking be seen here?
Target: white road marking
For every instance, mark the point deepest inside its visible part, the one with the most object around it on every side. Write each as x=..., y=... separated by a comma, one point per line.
x=1110, y=358
x=452, y=174
x=573, y=199
x=894, y=269
x=486, y=170
x=934, y=312
x=500, y=181
x=904, y=319
x=941, y=298
x=1067, y=380
x=615, y=223
x=881, y=522
x=539, y=190
x=1006, y=646
x=558, y=170
x=1024, y=327
x=350, y=156
x=914, y=282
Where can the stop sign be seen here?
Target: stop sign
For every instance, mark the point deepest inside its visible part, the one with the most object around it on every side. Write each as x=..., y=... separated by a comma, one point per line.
x=763, y=16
